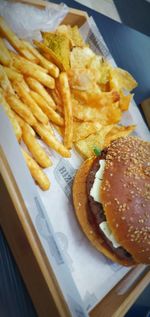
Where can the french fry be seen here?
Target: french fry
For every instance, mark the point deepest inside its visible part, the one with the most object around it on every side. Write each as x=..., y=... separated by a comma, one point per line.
x=51, y=114
x=38, y=87
x=23, y=124
x=12, y=74
x=51, y=141
x=17, y=59
x=30, y=102
x=49, y=54
x=20, y=108
x=4, y=81
x=35, y=148
x=10, y=114
x=67, y=104
x=48, y=127
x=30, y=69
x=56, y=97
x=14, y=40
x=60, y=109
x=52, y=69
x=5, y=57
x=36, y=172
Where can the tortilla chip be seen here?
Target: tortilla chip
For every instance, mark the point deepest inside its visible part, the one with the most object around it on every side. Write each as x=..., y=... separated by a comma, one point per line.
x=72, y=33
x=59, y=44
x=49, y=54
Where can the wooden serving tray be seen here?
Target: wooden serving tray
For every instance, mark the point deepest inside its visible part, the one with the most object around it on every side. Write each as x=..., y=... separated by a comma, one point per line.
x=30, y=256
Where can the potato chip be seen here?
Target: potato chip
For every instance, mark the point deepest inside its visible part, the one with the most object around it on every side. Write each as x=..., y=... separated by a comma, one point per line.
x=118, y=131
x=105, y=116
x=124, y=101
x=97, y=100
x=86, y=146
x=59, y=44
x=84, y=129
x=91, y=65
x=100, y=70
x=121, y=79
x=104, y=74
x=81, y=57
x=83, y=80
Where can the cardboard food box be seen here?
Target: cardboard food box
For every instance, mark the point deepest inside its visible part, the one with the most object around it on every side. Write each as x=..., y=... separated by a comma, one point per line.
x=41, y=250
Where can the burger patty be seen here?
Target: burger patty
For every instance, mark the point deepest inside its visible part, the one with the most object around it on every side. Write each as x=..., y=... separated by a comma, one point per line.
x=96, y=213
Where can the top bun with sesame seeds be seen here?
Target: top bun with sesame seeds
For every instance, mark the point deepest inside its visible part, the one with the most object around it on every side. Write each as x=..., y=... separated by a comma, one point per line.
x=125, y=195
x=123, y=206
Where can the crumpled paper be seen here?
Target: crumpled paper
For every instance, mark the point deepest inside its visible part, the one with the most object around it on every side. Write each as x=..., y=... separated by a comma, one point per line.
x=27, y=21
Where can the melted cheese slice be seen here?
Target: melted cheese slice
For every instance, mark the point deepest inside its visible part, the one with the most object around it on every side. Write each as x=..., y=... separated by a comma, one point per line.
x=108, y=233
x=95, y=190
x=95, y=193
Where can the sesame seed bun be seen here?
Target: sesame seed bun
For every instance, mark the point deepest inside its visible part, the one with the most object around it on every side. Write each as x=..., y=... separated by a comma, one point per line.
x=80, y=201
x=125, y=195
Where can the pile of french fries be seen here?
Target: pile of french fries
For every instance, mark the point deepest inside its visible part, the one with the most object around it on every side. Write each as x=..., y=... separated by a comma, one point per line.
x=41, y=96
x=25, y=76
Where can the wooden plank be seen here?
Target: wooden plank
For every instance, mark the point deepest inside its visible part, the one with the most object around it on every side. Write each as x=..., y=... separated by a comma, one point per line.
x=116, y=305
x=145, y=105
x=27, y=249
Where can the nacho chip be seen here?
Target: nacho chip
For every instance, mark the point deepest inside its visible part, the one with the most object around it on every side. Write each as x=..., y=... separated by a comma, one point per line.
x=72, y=33
x=121, y=79
x=86, y=146
x=118, y=131
x=84, y=129
x=49, y=54
x=59, y=44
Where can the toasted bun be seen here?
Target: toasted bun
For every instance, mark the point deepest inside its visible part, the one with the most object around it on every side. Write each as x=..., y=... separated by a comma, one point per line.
x=80, y=201
x=125, y=195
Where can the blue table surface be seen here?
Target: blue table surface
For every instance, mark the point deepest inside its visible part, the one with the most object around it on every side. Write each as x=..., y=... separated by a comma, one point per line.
x=131, y=51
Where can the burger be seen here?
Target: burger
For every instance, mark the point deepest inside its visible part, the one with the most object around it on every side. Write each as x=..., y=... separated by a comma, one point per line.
x=111, y=197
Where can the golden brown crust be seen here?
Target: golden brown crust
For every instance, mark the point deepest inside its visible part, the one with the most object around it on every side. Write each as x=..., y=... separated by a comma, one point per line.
x=125, y=195
x=80, y=201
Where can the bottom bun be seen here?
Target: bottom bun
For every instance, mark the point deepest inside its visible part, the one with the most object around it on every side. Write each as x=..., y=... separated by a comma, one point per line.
x=80, y=201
